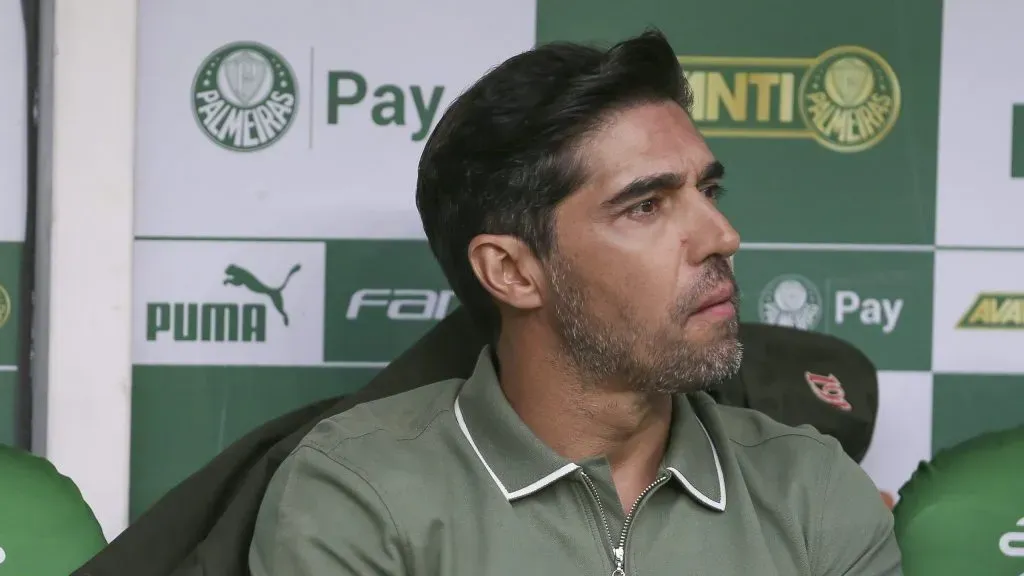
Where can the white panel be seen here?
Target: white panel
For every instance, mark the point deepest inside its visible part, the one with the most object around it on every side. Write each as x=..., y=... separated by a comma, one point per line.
x=353, y=178
x=978, y=204
x=991, y=285
x=903, y=430
x=224, y=303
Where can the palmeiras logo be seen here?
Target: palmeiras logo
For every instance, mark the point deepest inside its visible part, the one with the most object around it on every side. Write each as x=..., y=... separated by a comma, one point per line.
x=244, y=96
x=850, y=99
x=790, y=300
x=5, y=306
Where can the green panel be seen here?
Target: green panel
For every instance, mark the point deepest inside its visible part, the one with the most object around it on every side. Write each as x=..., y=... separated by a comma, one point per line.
x=183, y=416
x=1017, y=159
x=382, y=296
x=10, y=275
x=966, y=405
x=8, y=404
x=880, y=302
x=778, y=173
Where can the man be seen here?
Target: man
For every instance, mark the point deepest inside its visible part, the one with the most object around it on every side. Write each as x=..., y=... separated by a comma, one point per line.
x=571, y=203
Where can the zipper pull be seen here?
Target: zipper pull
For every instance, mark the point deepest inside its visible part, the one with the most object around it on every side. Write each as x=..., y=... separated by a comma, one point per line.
x=619, y=562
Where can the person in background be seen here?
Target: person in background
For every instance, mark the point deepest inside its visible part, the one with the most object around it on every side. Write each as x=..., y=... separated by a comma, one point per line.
x=572, y=205
x=46, y=528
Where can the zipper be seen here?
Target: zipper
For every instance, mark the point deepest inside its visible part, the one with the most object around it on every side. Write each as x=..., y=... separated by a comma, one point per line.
x=619, y=551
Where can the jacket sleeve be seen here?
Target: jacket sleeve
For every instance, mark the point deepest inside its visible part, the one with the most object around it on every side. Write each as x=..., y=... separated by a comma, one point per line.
x=320, y=516
x=855, y=534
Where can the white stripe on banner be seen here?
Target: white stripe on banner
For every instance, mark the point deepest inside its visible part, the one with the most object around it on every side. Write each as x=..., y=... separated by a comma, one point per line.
x=354, y=364
x=823, y=247
x=8, y=368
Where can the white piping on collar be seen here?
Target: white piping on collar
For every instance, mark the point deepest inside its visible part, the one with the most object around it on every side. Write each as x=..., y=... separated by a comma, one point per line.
x=564, y=470
x=524, y=491
x=720, y=503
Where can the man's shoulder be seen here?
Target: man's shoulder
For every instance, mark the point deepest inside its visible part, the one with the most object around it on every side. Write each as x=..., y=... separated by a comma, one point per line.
x=394, y=420
x=749, y=428
x=375, y=451
x=757, y=439
x=804, y=476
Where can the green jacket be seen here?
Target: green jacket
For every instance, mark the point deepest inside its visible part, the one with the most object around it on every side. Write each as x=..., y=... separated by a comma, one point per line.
x=447, y=480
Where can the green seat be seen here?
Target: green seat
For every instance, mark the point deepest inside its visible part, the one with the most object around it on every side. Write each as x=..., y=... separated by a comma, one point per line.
x=962, y=513
x=46, y=528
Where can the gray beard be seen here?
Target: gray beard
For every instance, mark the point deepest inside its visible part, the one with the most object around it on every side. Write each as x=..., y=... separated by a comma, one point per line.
x=641, y=359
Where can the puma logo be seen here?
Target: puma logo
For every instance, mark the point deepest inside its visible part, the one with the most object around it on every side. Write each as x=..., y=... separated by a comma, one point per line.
x=238, y=276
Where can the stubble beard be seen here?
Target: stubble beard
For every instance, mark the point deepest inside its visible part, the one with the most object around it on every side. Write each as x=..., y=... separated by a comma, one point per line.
x=645, y=359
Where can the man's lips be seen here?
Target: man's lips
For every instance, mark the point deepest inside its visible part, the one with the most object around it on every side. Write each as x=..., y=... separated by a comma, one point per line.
x=719, y=300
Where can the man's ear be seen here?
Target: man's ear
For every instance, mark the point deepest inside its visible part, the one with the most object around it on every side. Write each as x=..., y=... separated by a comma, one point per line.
x=507, y=269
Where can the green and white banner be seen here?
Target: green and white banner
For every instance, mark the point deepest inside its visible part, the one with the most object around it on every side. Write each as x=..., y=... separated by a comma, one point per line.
x=876, y=161
x=13, y=181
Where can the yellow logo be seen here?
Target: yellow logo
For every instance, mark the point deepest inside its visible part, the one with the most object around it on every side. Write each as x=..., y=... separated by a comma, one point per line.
x=847, y=99
x=995, y=310
x=5, y=306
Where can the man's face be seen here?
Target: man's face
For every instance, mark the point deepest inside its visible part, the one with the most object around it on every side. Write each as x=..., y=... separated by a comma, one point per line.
x=642, y=289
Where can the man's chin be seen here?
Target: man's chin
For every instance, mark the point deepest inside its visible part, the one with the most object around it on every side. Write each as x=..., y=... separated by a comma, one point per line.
x=697, y=366
x=722, y=359
x=713, y=334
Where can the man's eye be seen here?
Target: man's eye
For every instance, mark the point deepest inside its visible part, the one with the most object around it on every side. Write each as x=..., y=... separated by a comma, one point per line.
x=714, y=191
x=645, y=208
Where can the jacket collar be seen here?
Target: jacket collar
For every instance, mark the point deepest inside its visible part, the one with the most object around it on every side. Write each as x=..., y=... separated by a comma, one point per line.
x=521, y=464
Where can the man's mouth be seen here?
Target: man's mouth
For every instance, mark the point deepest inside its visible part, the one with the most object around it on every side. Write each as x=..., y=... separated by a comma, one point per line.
x=718, y=303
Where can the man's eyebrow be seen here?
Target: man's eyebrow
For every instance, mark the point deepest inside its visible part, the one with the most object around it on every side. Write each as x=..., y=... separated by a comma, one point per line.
x=713, y=171
x=643, y=186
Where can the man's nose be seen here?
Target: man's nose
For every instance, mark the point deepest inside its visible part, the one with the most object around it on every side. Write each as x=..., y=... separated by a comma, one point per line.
x=712, y=234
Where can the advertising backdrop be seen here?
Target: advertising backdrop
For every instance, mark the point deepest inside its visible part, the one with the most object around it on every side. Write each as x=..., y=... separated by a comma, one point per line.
x=876, y=173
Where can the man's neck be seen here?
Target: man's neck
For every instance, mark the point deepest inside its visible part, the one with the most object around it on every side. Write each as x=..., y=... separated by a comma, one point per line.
x=580, y=419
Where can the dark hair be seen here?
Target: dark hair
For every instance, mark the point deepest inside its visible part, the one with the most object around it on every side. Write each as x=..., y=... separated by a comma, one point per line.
x=504, y=154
